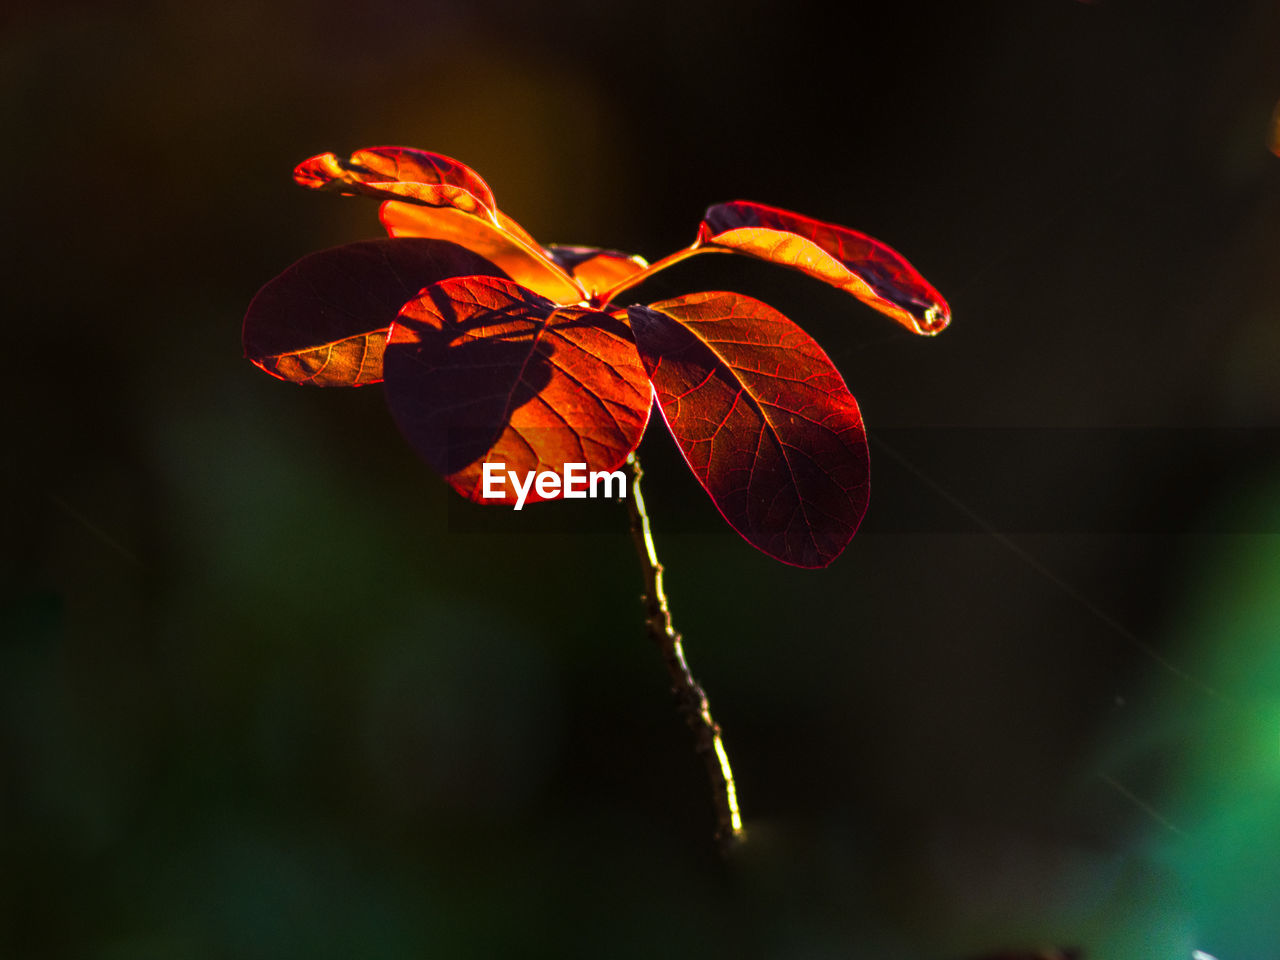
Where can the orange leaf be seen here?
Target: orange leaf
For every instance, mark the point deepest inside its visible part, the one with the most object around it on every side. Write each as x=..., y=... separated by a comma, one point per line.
x=500, y=240
x=481, y=370
x=324, y=321
x=872, y=271
x=763, y=419
x=413, y=175
x=597, y=270
x=436, y=197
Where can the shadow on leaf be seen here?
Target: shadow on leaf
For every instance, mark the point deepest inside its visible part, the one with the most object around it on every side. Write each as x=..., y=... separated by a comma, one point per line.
x=453, y=388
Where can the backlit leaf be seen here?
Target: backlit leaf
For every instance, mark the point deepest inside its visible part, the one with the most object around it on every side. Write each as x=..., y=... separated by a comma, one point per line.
x=597, y=270
x=400, y=172
x=324, y=321
x=872, y=271
x=500, y=240
x=483, y=370
x=763, y=419
x=432, y=196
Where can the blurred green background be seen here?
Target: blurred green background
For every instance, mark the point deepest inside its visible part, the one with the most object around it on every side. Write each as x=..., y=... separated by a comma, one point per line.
x=268, y=690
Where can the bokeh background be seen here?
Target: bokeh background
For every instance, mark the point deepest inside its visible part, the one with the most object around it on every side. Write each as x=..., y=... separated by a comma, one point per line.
x=268, y=690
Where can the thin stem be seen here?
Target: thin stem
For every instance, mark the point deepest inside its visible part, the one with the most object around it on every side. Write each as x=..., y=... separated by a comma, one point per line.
x=691, y=699
x=636, y=278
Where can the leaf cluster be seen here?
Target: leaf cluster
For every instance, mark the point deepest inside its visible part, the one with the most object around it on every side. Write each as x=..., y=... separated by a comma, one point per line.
x=496, y=349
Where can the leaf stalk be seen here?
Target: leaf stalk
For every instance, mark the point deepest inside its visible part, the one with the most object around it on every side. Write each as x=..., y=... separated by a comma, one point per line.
x=691, y=699
x=668, y=261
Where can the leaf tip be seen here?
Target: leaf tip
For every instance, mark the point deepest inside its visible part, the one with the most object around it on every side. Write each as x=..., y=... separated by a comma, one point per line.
x=316, y=172
x=933, y=320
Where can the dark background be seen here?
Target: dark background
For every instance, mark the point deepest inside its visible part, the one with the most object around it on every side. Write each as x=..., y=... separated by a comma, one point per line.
x=268, y=690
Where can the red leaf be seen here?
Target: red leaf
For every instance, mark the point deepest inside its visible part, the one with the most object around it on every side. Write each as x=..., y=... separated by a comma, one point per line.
x=432, y=196
x=596, y=269
x=324, y=320
x=400, y=172
x=872, y=271
x=763, y=419
x=483, y=370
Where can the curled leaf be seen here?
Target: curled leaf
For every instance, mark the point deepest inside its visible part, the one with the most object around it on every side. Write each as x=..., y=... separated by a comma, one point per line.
x=431, y=196
x=596, y=269
x=403, y=173
x=482, y=370
x=324, y=321
x=763, y=419
x=872, y=271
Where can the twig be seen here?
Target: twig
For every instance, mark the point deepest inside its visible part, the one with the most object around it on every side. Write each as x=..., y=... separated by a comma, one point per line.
x=691, y=699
